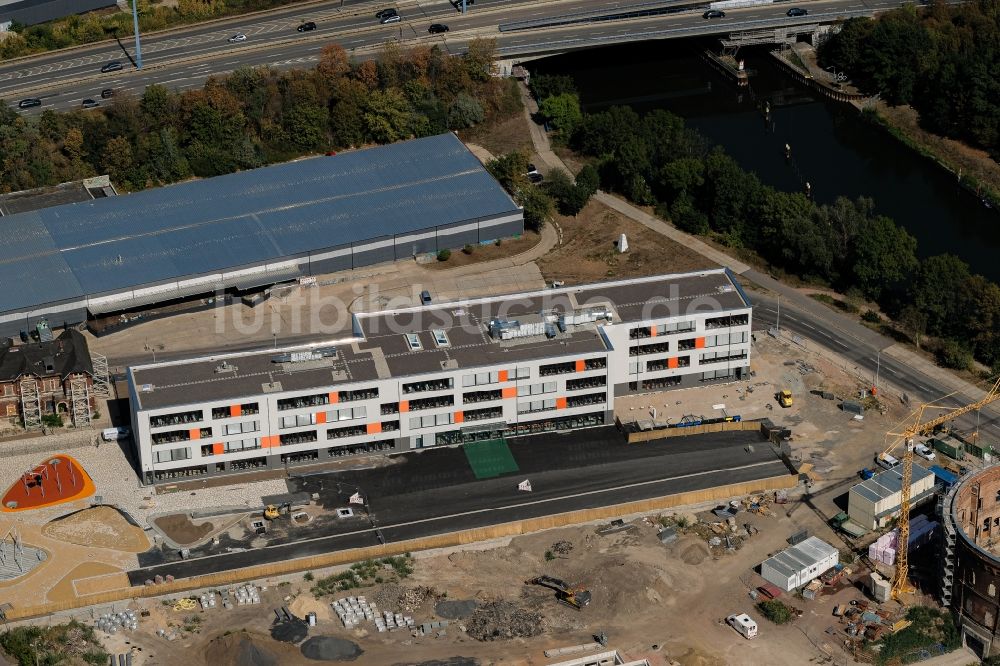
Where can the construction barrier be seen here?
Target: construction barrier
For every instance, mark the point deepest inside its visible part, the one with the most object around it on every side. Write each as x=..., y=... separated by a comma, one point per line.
x=663, y=433
x=450, y=539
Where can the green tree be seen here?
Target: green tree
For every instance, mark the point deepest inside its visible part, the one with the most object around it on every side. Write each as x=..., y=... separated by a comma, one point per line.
x=538, y=207
x=465, y=112
x=117, y=160
x=387, y=116
x=510, y=170
x=563, y=113
x=306, y=125
x=544, y=86
x=934, y=291
x=588, y=181
x=884, y=256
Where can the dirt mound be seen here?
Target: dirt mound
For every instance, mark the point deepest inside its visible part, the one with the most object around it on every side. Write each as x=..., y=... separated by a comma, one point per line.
x=450, y=661
x=100, y=527
x=456, y=609
x=693, y=552
x=179, y=528
x=501, y=620
x=290, y=631
x=328, y=648
x=304, y=604
x=243, y=649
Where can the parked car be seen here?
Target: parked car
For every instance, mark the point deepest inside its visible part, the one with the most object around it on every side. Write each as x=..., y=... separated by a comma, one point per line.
x=89, y=103
x=437, y=28
x=797, y=11
x=29, y=102
x=113, y=66
x=113, y=434
x=238, y=37
x=924, y=452
x=866, y=473
x=307, y=26
x=714, y=13
x=391, y=18
x=886, y=461
x=107, y=93
x=389, y=11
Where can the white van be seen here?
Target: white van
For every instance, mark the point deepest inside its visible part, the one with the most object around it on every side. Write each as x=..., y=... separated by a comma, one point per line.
x=886, y=461
x=743, y=624
x=114, y=434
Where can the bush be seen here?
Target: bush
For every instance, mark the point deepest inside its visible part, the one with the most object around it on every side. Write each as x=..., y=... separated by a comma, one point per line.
x=953, y=354
x=468, y=249
x=775, y=611
x=308, y=576
x=444, y=255
x=465, y=112
x=549, y=556
x=871, y=317
x=52, y=420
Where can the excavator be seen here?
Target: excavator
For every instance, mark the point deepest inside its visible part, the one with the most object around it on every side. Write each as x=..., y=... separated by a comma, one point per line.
x=573, y=597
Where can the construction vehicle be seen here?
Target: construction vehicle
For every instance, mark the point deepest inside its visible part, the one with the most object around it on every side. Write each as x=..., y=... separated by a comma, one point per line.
x=271, y=512
x=785, y=398
x=919, y=427
x=573, y=597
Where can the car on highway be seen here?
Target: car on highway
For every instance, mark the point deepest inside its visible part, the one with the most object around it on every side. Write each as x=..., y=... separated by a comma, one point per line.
x=437, y=28
x=307, y=26
x=382, y=13
x=391, y=18
x=797, y=11
x=107, y=93
x=238, y=37
x=113, y=66
x=29, y=102
x=924, y=452
x=714, y=13
x=89, y=103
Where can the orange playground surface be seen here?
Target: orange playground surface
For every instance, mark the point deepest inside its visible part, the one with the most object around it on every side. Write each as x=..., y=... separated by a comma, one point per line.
x=56, y=480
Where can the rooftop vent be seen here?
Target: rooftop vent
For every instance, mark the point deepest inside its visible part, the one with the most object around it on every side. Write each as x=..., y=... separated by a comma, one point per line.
x=305, y=356
x=413, y=342
x=146, y=388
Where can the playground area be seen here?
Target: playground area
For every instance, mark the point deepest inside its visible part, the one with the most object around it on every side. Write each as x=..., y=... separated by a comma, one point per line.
x=56, y=480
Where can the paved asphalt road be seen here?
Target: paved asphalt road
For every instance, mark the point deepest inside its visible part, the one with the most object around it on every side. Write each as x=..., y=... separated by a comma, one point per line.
x=62, y=81
x=434, y=491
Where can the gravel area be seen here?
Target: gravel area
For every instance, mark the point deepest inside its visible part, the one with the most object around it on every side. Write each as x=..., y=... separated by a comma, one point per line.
x=456, y=609
x=328, y=648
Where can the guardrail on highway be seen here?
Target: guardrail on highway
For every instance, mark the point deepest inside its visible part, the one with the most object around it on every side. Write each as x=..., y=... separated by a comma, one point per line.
x=618, y=14
x=700, y=29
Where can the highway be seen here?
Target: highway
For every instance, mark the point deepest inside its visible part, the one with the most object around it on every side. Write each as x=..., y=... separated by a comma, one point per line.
x=184, y=58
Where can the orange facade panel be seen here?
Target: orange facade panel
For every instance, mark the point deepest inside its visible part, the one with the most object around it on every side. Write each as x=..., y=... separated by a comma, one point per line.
x=652, y=331
x=560, y=403
x=235, y=410
x=404, y=405
x=320, y=417
x=699, y=343
x=334, y=398
x=459, y=417
x=508, y=392
x=503, y=375
x=194, y=433
x=372, y=428
x=218, y=449
x=270, y=442
x=580, y=365
x=671, y=362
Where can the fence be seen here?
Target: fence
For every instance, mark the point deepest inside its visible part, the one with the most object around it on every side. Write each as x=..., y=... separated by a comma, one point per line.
x=797, y=74
x=675, y=431
x=511, y=529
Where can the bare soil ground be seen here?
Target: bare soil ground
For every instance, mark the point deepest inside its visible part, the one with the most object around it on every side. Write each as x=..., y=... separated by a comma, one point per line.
x=500, y=138
x=99, y=527
x=481, y=253
x=972, y=161
x=64, y=590
x=589, y=253
x=179, y=528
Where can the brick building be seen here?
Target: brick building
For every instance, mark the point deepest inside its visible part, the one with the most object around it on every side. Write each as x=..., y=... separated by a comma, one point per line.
x=53, y=377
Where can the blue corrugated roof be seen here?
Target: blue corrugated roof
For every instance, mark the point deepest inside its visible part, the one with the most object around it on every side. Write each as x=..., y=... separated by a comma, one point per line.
x=117, y=243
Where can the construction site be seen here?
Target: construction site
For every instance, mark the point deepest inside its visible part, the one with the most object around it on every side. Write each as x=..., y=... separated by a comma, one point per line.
x=785, y=509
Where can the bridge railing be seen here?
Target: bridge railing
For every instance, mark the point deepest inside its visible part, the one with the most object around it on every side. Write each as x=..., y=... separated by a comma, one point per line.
x=617, y=14
x=701, y=29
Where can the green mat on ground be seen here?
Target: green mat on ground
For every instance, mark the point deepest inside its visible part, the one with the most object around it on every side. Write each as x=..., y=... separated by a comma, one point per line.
x=490, y=459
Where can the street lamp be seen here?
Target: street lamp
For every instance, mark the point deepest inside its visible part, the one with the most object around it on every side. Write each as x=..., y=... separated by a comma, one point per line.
x=135, y=26
x=834, y=70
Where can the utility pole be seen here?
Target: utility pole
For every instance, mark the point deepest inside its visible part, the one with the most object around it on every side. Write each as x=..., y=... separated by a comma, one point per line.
x=878, y=364
x=135, y=26
x=777, y=321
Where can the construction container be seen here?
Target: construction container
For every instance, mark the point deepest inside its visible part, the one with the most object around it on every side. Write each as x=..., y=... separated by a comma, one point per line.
x=796, y=566
x=982, y=451
x=949, y=446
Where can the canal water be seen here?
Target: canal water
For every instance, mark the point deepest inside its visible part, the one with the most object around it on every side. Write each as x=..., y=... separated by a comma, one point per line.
x=832, y=147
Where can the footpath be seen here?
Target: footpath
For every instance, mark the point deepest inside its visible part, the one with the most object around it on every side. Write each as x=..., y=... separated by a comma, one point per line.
x=846, y=326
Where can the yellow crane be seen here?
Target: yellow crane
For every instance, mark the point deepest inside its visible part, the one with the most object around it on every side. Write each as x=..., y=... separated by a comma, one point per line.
x=900, y=583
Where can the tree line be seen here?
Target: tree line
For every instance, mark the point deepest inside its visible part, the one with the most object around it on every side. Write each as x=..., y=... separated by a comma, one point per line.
x=256, y=116
x=655, y=160
x=942, y=61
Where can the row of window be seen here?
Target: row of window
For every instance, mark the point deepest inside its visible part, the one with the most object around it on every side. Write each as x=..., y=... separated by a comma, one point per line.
x=483, y=378
x=727, y=320
x=642, y=350
x=719, y=357
x=418, y=422
x=226, y=411
x=170, y=455
x=531, y=406
x=331, y=416
x=586, y=383
x=572, y=366
x=664, y=364
x=429, y=385
x=726, y=339
x=641, y=332
x=317, y=399
x=432, y=403
x=171, y=436
x=586, y=399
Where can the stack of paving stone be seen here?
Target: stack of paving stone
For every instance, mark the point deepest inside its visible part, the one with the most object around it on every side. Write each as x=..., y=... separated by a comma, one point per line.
x=352, y=610
x=247, y=594
x=109, y=623
x=207, y=600
x=396, y=621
